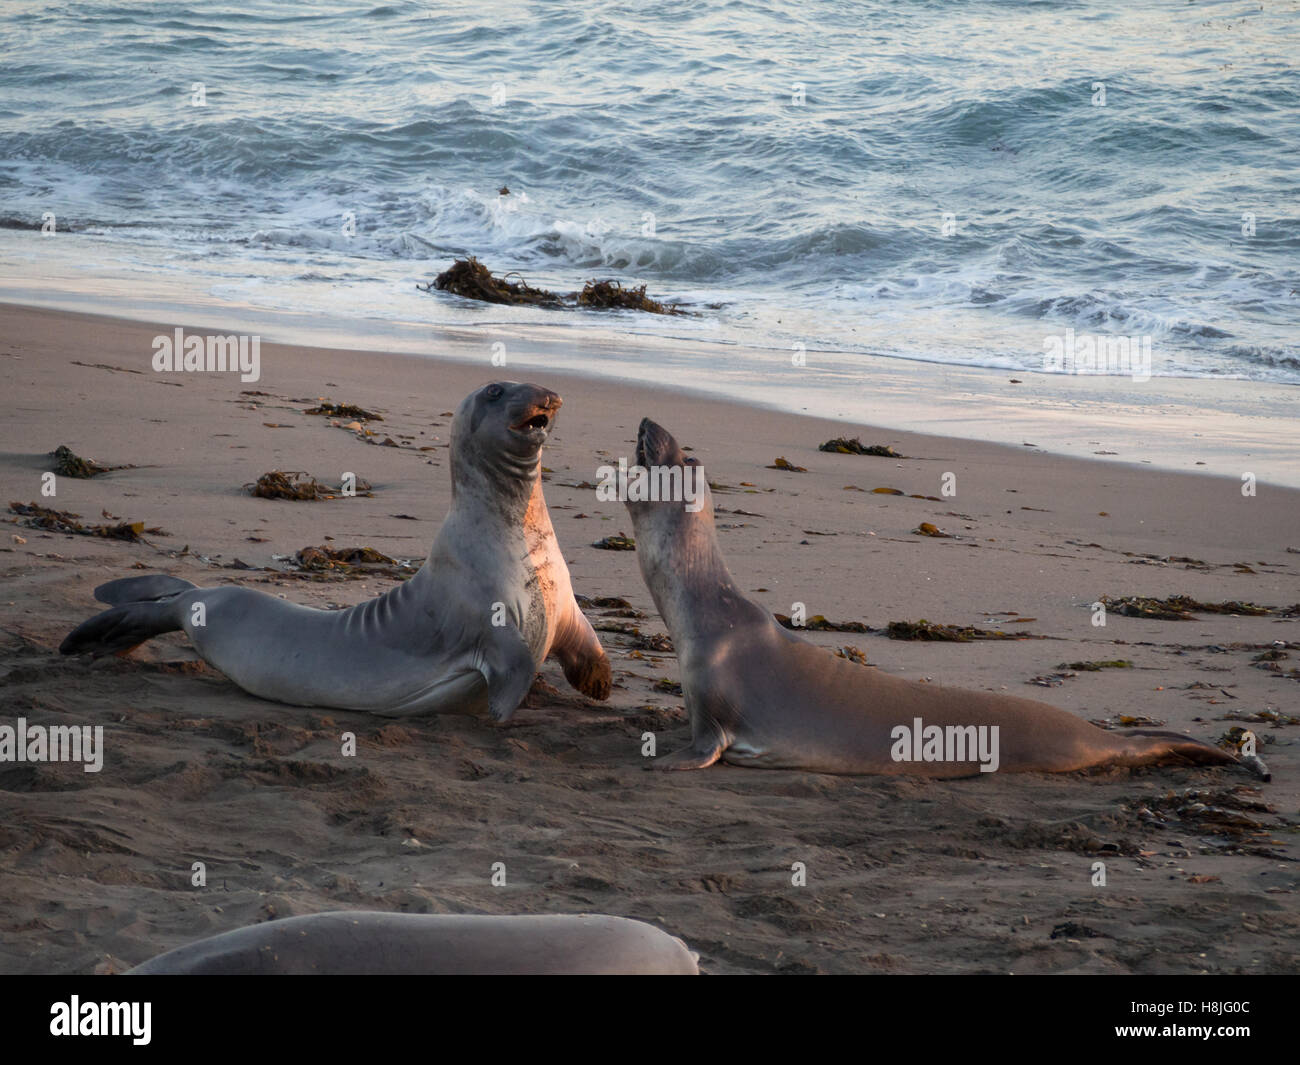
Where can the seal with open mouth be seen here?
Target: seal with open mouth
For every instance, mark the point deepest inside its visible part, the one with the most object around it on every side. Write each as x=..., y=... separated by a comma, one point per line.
x=759, y=695
x=464, y=635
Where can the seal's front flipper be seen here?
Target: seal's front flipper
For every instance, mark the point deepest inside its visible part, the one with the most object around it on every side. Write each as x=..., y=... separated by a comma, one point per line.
x=140, y=589
x=508, y=666
x=586, y=666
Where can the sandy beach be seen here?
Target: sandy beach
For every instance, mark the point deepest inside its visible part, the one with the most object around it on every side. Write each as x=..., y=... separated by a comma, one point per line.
x=987, y=875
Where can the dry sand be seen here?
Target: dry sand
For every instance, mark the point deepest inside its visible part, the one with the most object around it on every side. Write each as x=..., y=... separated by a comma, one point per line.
x=903, y=876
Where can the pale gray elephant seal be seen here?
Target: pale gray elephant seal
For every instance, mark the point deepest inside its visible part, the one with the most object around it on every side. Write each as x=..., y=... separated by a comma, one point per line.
x=366, y=943
x=759, y=695
x=466, y=633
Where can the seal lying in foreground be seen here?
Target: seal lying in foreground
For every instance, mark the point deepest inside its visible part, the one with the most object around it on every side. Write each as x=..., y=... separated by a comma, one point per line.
x=367, y=943
x=759, y=695
x=466, y=633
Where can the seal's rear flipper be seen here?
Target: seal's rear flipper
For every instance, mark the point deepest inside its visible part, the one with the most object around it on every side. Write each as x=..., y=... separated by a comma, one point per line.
x=140, y=589
x=1173, y=748
x=118, y=630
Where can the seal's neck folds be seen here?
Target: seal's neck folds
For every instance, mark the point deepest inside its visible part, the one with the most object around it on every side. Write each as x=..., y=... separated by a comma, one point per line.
x=508, y=480
x=685, y=572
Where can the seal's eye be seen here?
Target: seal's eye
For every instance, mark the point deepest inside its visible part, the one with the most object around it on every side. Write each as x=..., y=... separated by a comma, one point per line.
x=494, y=392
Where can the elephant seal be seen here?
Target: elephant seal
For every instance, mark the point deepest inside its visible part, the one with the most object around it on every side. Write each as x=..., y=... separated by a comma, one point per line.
x=759, y=695
x=347, y=942
x=466, y=633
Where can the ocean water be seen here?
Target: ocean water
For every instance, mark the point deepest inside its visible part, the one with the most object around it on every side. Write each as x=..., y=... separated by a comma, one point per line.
x=950, y=182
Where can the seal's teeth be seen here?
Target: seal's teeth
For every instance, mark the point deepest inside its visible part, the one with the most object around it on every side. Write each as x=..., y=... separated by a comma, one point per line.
x=540, y=420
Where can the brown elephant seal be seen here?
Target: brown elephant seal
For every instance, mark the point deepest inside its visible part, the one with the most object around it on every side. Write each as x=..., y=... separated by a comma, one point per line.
x=465, y=634
x=366, y=943
x=759, y=695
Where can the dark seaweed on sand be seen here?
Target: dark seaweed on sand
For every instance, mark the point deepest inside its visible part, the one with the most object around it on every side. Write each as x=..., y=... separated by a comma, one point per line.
x=330, y=557
x=343, y=410
x=782, y=463
x=928, y=630
x=297, y=486
x=1177, y=607
x=843, y=446
x=64, y=521
x=1234, y=813
x=616, y=543
x=69, y=464
x=351, y=562
x=818, y=623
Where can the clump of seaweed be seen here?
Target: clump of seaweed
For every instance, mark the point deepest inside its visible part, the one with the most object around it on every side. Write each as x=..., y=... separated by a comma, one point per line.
x=1098, y=665
x=1262, y=717
x=1235, y=814
x=928, y=630
x=842, y=446
x=929, y=529
x=69, y=464
x=818, y=623
x=658, y=642
x=1235, y=737
x=1177, y=607
x=616, y=543
x=471, y=279
x=1127, y=721
x=324, y=557
x=343, y=410
x=852, y=654
x=297, y=486
x=64, y=521
x=669, y=686
x=351, y=562
x=610, y=295
x=782, y=463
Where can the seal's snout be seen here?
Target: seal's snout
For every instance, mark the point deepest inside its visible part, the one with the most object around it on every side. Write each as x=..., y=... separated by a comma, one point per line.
x=534, y=410
x=655, y=445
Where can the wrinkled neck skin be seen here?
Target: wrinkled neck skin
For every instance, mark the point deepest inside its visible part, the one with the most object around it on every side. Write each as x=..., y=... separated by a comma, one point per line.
x=691, y=585
x=498, y=480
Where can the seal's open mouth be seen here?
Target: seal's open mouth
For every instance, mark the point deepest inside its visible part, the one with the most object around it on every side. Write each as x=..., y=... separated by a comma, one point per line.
x=536, y=421
x=540, y=420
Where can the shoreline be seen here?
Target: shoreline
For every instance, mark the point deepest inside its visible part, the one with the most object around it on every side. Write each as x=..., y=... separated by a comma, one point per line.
x=1223, y=427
